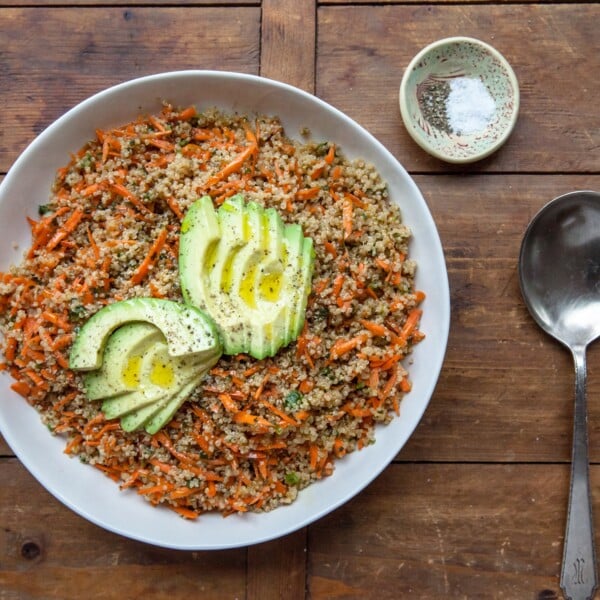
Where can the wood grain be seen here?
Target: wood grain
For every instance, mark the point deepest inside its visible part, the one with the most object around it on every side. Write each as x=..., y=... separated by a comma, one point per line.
x=429, y=530
x=554, y=54
x=506, y=389
x=49, y=552
x=474, y=506
x=288, y=42
x=369, y=2
x=94, y=48
x=87, y=3
x=277, y=569
x=446, y=531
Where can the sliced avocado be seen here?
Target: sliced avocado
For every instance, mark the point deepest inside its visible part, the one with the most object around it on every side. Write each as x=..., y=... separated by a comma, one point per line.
x=121, y=404
x=160, y=376
x=247, y=270
x=136, y=419
x=187, y=329
x=155, y=416
x=164, y=414
x=139, y=376
x=304, y=287
x=121, y=362
x=196, y=250
x=154, y=376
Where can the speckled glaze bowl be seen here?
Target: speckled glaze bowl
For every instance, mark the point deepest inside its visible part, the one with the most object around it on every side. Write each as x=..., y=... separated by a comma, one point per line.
x=428, y=94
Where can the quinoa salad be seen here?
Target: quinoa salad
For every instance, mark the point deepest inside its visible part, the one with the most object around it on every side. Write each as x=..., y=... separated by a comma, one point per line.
x=110, y=232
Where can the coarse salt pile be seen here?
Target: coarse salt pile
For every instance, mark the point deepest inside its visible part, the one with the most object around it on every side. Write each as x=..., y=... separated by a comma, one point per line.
x=469, y=106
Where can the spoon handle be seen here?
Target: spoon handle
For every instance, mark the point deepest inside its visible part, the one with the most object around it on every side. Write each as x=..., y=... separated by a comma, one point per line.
x=578, y=576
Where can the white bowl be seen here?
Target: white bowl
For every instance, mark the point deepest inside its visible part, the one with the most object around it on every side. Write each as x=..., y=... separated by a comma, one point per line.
x=86, y=490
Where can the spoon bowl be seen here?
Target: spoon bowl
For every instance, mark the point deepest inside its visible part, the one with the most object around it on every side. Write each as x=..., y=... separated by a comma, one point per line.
x=559, y=270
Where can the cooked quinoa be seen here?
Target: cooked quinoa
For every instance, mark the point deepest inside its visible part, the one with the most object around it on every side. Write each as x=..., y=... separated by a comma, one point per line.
x=317, y=399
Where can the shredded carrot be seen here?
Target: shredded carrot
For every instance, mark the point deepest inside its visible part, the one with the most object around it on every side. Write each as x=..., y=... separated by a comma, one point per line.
x=307, y=193
x=375, y=328
x=342, y=347
x=281, y=414
x=69, y=226
x=320, y=285
x=391, y=382
x=93, y=244
x=234, y=166
x=347, y=217
x=330, y=248
x=56, y=320
x=187, y=113
x=306, y=386
x=252, y=370
x=405, y=385
x=211, y=489
x=261, y=387
x=330, y=156
x=337, y=285
x=10, y=350
x=313, y=456
x=143, y=269
x=172, y=203
x=74, y=443
x=410, y=324
x=22, y=388
x=249, y=419
x=122, y=191
x=338, y=448
x=228, y=403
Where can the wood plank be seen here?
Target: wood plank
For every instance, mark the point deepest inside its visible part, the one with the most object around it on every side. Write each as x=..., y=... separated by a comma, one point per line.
x=506, y=389
x=370, y=2
x=94, y=48
x=446, y=531
x=277, y=569
x=5, y=449
x=288, y=42
x=554, y=55
x=86, y=3
x=49, y=552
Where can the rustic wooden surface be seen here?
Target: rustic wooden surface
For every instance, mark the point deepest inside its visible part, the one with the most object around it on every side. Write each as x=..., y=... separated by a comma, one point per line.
x=474, y=505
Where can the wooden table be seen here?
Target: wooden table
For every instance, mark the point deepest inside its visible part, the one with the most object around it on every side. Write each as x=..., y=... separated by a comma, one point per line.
x=474, y=506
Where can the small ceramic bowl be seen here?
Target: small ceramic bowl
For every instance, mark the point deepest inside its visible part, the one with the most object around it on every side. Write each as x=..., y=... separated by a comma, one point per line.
x=459, y=99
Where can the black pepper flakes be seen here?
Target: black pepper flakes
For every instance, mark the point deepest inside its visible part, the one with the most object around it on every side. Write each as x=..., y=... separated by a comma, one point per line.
x=432, y=100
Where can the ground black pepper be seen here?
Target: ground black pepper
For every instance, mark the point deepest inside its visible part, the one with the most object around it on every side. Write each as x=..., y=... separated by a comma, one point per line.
x=432, y=101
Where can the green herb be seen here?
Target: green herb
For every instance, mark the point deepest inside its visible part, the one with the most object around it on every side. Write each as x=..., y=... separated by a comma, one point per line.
x=293, y=399
x=44, y=209
x=86, y=161
x=322, y=149
x=321, y=313
x=77, y=311
x=292, y=478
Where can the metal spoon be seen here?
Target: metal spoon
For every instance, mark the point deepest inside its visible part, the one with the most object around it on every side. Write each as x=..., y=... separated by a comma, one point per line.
x=559, y=268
